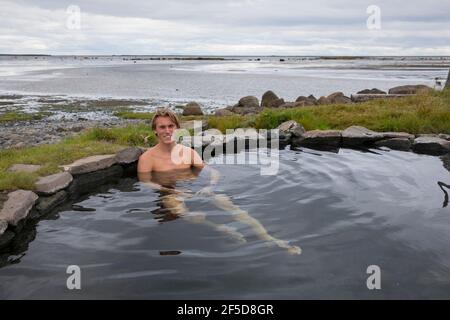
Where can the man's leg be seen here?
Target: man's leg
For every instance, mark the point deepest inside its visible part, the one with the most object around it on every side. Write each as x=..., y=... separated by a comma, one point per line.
x=224, y=202
x=176, y=205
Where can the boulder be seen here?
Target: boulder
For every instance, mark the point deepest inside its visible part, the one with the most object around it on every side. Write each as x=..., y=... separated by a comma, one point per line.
x=3, y=198
x=192, y=109
x=319, y=139
x=90, y=164
x=431, y=145
x=371, y=91
x=17, y=206
x=323, y=100
x=338, y=98
x=47, y=204
x=53, y=183
x=91, y=181
x=223, y=113
x=399, y=135
x=408, y=89
x=444, y=136
x=267, y=98
x=246, y=105
x=403, y=144
x=6, y=238
x=307, y=101
x=356, y=136
x=248, y=102
x=128, y=155
x=29, y=168
x=3, y=226
x=276, y=103
x=434, y=135
x=290, y=129
x=293, y=104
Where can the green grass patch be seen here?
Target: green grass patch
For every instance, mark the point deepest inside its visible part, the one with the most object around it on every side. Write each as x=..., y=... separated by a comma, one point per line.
x=134, y=115
x=231, y=122
x=422, y=113
x=132, y=135
x=19, y=116
x=93, y=142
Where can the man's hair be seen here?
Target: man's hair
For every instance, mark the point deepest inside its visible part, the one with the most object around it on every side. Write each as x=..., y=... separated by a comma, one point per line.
x=164, y=112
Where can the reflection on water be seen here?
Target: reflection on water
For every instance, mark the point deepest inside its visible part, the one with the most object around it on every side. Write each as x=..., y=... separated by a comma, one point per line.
x=446, y=160
x=444, y=186
x=346, y=210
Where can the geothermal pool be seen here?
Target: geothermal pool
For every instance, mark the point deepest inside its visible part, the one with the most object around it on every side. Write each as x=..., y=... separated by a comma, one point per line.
x=346, y=211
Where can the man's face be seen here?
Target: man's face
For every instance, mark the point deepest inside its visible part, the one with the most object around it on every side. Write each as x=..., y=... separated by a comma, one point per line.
x=165, y=129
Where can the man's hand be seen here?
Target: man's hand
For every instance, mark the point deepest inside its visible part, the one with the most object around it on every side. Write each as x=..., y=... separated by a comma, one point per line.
x=205, y=191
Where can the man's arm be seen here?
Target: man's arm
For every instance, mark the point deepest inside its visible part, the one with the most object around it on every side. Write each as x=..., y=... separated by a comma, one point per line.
x=144, y=163
x=197, y=161
x=144, y=169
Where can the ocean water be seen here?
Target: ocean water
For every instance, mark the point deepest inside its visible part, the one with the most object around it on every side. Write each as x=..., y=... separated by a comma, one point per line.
x=213, y=83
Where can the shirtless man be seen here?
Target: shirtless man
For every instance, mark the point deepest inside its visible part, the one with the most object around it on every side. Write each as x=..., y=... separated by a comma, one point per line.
x=161, y=157
x=169, y=157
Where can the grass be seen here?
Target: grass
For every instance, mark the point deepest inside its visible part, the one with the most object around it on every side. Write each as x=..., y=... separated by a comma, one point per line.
x=427, y=112
x=93, y=142
x=19, y=116
x=134, y=115
x=125, y=114
x=422, y=113
x=132, y=135
x=231, y=122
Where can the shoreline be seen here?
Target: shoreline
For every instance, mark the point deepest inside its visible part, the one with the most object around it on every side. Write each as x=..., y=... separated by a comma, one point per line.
x=58, y=117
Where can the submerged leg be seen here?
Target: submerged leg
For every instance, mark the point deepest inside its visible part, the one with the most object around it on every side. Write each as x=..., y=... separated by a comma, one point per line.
x=177, y=206
x=225, y=203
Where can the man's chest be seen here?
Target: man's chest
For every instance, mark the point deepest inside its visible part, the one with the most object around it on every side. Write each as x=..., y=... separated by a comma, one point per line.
x=165, y=164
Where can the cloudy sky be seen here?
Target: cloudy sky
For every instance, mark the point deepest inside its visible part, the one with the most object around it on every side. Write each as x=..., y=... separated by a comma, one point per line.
x=227, y=27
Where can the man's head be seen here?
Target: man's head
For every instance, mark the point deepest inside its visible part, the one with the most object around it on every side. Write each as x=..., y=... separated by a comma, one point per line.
x=164, y=123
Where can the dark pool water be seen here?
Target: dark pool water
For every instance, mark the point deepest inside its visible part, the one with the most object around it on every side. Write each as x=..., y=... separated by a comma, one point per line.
x=346, y=210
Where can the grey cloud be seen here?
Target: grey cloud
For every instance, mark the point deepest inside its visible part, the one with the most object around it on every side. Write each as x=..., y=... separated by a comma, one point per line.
x=232, y=26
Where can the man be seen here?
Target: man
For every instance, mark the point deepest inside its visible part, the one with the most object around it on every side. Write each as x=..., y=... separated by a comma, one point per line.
x=167, y=155
x=170, y=162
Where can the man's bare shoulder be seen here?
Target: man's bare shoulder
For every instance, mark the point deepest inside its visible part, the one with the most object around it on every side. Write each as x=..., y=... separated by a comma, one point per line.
x=145, y=160
x=150, y=153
